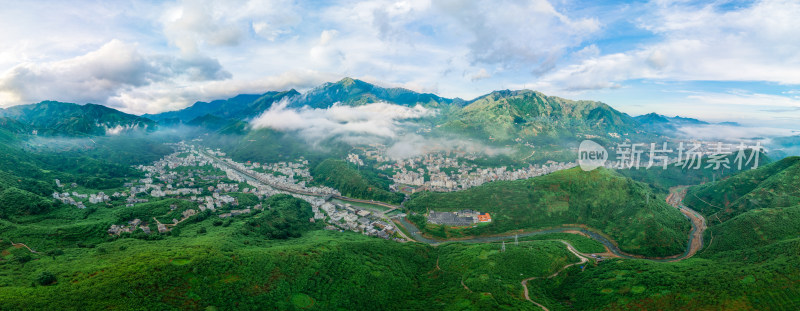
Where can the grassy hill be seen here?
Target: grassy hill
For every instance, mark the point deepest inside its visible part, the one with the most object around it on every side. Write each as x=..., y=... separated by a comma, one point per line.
x=242, y=106
x=663, y=179
x=765, y=280
x=57, y=118
x=354, y=183
x=206, y=265
x=773, y=185
x=602, y=199
x=749, y=262
x=752, y=229
x=507, y=115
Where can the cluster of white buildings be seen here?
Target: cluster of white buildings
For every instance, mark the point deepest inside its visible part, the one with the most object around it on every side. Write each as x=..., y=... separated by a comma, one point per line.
x=67, y=198
x=168, y=177
x=287, y=176
x=346, y=217
x=448, y=174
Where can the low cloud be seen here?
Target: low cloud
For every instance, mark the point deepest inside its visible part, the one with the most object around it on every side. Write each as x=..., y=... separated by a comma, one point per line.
x=382, y=122
x=731, y=133
x=413, y=145
x=377, y=119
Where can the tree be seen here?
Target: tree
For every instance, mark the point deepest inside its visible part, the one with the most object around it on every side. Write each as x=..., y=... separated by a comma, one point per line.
x=45, y=278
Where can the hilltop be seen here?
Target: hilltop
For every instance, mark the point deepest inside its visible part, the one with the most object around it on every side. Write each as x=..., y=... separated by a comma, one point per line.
x=243, y=106
x=354, y=92
x=621, y=208
x=774, y=185
x=57, y=118
x=507, y=115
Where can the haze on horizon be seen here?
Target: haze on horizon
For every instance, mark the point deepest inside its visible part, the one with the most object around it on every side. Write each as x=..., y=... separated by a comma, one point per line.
x=723, y=61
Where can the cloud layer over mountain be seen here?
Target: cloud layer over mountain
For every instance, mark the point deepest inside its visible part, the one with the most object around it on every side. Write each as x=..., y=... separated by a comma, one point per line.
x=640, y=57
x=376, y=119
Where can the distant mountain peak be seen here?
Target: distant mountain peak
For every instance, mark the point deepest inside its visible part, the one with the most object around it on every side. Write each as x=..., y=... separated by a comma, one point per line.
x=60, y=118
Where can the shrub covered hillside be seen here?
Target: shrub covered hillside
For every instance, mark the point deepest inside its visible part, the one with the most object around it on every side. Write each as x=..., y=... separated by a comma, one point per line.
x=353, y=183
x=229, y=267
x=625, y=210
x=750, y=262
x=774, y=185
x=752, y=229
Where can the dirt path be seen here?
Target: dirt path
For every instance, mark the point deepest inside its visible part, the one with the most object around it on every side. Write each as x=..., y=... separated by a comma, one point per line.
x=675, y=199
x=465, y=285
x=572, y=249
x=23, y=245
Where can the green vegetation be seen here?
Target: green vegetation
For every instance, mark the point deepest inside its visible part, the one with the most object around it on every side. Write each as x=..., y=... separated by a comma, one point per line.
x=356, y=92
x=360, y=184
x=750, y=260
x=15, y=201
x=664, y=179
x=56, y=118
x=753, y=229
x=287, y=217
x=507, y=115
x=581, y=243
x=226, y=269
x=768, y=281
x=774, y=185
x=623, y=209
x=55, y=256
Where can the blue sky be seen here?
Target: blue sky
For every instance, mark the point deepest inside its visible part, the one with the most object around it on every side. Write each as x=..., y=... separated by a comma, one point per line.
x=715, y=60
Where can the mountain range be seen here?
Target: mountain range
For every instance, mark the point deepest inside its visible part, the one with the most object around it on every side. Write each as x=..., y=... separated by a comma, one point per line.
x=499, y=116
x=657, y=123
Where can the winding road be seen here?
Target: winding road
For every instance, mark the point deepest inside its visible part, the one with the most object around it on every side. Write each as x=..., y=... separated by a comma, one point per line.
x=675, y=198
x=695, y=238
x=572, y=249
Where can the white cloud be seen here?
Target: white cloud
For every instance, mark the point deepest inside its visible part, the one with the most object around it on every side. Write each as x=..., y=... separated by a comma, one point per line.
x=376, y=119
x=481, y=74
x=193, y=24
x=413, y=145
x=100, y=74
x=732, y=133
x=756, y=43
x=171, y=95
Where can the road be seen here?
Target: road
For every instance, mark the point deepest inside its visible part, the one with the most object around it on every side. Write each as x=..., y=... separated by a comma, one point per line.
x=675, y=198
x=298, y=191
x=572, y=249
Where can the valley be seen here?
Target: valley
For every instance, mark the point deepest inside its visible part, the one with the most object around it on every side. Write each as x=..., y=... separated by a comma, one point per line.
x=169, y=217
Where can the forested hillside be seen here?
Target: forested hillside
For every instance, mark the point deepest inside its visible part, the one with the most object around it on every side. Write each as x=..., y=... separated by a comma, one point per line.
x=626, y=210
x=352, y=182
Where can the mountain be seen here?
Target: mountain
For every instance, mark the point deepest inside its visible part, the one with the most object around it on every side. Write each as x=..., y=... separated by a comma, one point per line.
x=657, y=123
x=57, y=118
x=771, y=186
x=354, y=92
x=242, y=106
x=507, y=115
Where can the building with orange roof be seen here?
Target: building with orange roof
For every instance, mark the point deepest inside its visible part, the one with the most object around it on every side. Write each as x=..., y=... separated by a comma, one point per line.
x=485, y=217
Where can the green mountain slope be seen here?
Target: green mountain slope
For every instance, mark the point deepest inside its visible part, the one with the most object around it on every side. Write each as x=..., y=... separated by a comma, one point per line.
x=773, y=185
x=242, y=106
x=507, y=115
x=749, y=261
x=355, y=92
x=755, y=228
x=354, y=183
x=601, y=199
x=57, y=118
x=233, y=266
